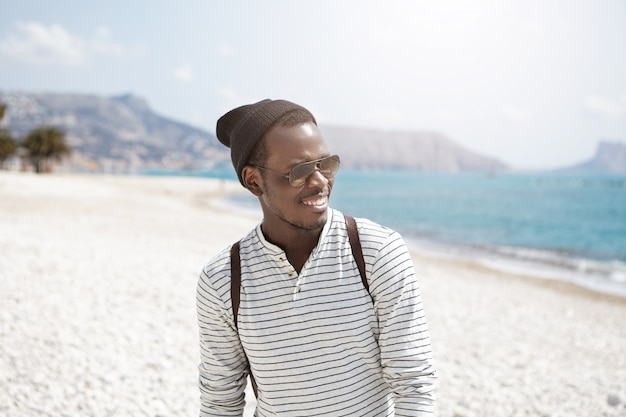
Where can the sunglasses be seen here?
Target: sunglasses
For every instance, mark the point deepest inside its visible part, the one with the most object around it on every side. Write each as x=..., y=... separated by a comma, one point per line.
x=298, y=175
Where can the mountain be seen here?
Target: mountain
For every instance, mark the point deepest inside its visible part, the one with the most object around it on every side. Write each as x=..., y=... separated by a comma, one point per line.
x=123, y=134
x=423, y=151
x=114, y=134
x=610, y=158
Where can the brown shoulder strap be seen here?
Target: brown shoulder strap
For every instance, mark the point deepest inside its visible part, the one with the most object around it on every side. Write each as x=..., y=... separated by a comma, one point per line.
x=235, y=278
x=235, y=289
x=357, y=252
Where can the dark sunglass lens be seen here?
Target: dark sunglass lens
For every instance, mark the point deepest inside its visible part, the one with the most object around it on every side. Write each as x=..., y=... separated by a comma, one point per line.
x=302, y=171
x=327, y=166
x=330, y=165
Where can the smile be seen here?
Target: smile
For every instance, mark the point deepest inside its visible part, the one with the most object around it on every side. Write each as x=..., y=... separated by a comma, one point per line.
x=316, y=202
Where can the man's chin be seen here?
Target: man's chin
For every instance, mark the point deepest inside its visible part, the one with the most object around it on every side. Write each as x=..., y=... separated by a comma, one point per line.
x=315, y=224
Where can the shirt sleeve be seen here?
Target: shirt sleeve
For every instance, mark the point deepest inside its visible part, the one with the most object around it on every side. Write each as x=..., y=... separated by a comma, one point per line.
x=223, y=367
x=406, y=354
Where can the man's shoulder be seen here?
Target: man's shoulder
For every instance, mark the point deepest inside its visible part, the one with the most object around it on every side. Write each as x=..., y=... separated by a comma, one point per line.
x=219, y=264
x=373, y=236
x=366, y=226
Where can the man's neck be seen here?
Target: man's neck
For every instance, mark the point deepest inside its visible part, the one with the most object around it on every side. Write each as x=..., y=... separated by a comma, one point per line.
x=297, y=243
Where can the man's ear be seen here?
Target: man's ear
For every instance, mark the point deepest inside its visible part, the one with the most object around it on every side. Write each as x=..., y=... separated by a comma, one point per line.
x=252, y=180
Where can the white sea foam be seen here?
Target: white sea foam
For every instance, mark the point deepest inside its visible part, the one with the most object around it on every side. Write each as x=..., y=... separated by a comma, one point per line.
x=602, y=276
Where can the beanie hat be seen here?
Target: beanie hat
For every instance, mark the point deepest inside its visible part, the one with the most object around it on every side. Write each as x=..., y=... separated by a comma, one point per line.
x=242, y=128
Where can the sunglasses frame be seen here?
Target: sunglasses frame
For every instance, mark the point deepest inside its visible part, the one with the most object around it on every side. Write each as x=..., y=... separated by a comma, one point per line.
x=317, y=166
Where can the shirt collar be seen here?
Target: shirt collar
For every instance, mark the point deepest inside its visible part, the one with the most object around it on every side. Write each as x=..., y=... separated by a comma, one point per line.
x=275, y=249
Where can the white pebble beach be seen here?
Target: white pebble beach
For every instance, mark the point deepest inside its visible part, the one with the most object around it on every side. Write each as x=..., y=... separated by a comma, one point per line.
x=97, y=309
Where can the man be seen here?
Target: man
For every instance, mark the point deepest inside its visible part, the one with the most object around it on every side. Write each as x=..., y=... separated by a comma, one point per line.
x=315, y=341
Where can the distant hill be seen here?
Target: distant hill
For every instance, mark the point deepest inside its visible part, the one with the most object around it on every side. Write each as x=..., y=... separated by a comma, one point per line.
x=122, y=134
x=610, y=158
x=114, y=134
x=422, y=151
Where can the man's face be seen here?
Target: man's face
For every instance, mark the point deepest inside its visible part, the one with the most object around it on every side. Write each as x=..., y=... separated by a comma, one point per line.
x=305, y=207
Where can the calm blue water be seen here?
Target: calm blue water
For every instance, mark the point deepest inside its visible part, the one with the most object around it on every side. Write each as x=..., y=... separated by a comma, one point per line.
x=564, y=227
x=578, y=216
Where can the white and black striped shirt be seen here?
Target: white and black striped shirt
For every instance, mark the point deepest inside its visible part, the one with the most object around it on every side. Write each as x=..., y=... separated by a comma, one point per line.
x=317, y=343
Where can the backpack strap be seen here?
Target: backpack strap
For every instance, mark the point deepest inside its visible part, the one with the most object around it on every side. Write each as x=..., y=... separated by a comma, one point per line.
x=235, y=289
x=235, y=278
x=357, y=252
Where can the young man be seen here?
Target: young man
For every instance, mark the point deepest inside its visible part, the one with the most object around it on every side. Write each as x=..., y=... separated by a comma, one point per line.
x=315, y=339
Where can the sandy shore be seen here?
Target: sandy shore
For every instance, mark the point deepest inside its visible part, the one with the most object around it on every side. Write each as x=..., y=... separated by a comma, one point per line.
x=97, y=310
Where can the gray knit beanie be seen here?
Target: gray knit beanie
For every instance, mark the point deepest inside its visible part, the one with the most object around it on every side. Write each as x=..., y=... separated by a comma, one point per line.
x=241, y=128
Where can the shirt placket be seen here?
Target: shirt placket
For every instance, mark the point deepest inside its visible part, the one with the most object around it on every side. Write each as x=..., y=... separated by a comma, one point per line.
x=292, y=274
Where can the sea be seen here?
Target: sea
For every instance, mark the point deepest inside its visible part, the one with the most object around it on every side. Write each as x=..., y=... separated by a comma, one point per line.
x=551, y=226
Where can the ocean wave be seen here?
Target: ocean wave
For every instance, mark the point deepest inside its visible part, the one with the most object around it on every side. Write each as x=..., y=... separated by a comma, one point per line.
x=607, y=277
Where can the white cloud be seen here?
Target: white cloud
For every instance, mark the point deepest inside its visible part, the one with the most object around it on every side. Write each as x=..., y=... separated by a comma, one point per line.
x=38, y=44
x=515, y=114
x=34, y=43
x=605, y=106
x=184, y=73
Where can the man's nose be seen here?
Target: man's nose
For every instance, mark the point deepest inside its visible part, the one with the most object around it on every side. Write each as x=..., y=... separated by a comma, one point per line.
x=317, y=179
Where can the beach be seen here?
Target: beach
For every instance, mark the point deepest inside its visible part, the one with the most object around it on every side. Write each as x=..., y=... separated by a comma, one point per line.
x=97, y=287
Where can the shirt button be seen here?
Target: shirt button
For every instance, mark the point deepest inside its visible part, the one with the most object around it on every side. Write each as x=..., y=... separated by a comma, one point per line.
x=296, y=290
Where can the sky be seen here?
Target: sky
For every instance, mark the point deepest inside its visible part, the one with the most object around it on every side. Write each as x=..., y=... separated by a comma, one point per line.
x=536, y=84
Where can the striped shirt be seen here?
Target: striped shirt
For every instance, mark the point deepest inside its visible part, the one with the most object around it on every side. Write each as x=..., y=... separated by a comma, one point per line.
x=317, y=343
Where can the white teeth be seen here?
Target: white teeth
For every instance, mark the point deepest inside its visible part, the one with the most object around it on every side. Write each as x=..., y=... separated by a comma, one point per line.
x=317, y=202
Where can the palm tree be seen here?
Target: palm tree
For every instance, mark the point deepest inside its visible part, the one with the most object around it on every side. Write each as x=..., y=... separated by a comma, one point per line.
x=7, y=144
x=43, y=144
